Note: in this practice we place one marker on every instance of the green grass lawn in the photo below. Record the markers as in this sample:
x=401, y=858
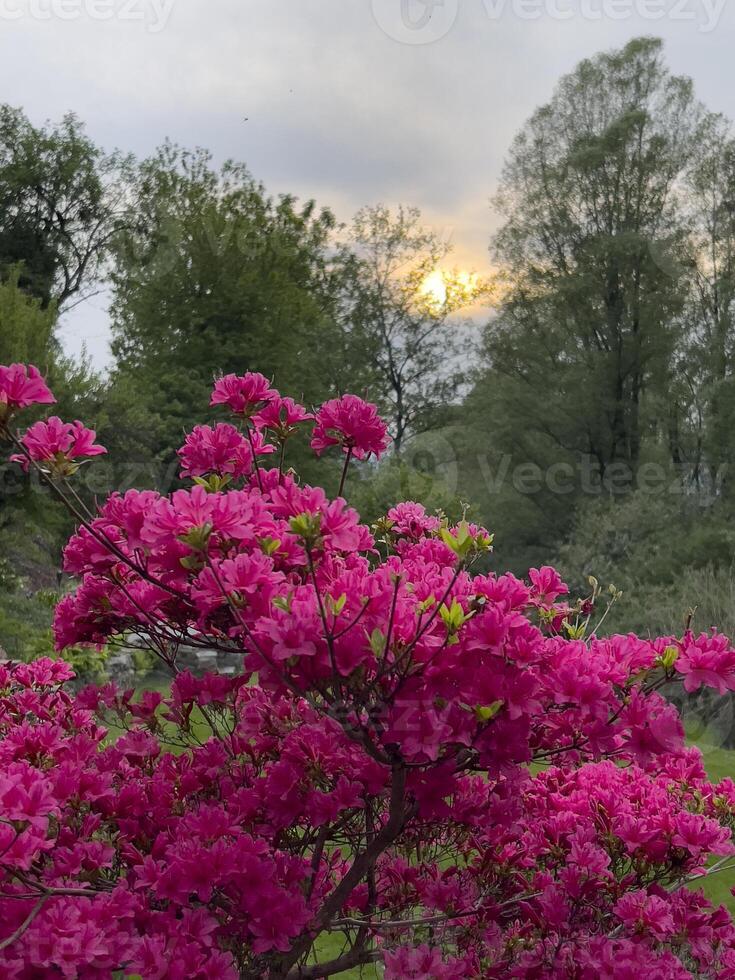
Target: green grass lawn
x=331, y=946
x=718, y=762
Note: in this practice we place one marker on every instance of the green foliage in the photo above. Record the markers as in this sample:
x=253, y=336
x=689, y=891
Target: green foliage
x=8, y=579
x=216, y=277
x=144, y=661
x=27, y=333
x=702, y=597
x=60, y=205
x=28, y=561
x=674, y=562
x=24, y=625
x=374, y=489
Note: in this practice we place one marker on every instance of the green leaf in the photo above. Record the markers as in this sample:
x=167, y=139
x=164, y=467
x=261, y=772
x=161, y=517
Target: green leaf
x=669, y=657
x=213, y=483
x=307, y=526
x=269, y=546
x=377, y=642
x=486, y=713
x=198, y=537
x=575, y=632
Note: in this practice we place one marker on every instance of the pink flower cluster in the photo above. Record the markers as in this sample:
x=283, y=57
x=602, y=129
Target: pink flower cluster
x=59, y=444
x=419, y=757
x=352, y=424
x=282, y=416
x=20, y=387
x=221, y=450
x=244, y=395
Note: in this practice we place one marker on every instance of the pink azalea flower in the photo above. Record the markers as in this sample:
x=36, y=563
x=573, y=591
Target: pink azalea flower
x=221, y=450
x=708, y=660
x=646, y=913
x=411, y=520
x=244, y=395
x=353, y=424
x=58, y=443
x=422, y=963
x=701, y=835
x=21, y=386
x=281, y=416
x=547, y=585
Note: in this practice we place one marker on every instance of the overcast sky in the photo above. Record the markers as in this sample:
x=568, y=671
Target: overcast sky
x=351, y=102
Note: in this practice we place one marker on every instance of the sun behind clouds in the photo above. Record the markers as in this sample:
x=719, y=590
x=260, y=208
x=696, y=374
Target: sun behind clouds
x=445, y=290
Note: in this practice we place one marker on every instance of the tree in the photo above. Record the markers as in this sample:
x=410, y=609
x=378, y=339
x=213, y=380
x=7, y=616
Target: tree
x=593, y=225
x=62, y=200
x=217, y=277
x=582, y=374
x=707, y=360
x=400, y=310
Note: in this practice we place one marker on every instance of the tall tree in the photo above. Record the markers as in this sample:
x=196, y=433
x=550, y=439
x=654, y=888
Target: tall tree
x=401, y=310
x=707, y=361
x=592, y=226
x=583, y=375
x=62, y=200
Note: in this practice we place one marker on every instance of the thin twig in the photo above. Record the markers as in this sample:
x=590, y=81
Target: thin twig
x=343, y=479
x=26, y=923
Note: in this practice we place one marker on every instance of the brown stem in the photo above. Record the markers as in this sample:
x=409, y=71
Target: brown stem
x=249, y=636
x=352, y=923
x=256, y=465
x=397, y=817
x=355, y=957
x=351, y=625
x=26, y=923
x=343, y=479
x=328, y=636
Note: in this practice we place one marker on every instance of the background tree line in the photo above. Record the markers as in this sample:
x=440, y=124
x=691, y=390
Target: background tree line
x=608, y=357
x=612, y=351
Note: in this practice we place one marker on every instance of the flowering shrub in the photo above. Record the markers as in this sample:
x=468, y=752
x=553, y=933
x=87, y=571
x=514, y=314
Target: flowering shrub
x=436, y=764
